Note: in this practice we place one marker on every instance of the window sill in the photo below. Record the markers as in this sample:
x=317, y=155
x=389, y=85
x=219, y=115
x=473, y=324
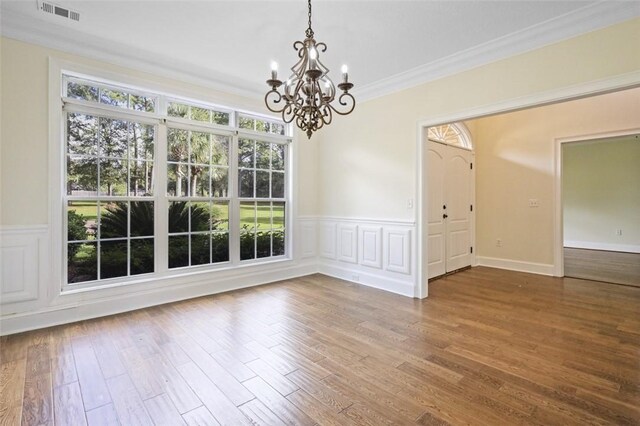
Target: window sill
x=171, y=275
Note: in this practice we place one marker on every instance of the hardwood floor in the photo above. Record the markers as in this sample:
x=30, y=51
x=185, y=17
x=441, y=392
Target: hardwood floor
x=488, y=347
x=606, y=266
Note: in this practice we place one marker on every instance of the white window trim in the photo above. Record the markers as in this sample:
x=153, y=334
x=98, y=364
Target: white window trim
x=57, y=188
x=463, y=131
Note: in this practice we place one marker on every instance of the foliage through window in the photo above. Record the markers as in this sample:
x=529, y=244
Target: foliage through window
x=197, y=113
x=257, y=124
x=110, y=95
x=261, y=170
x=109, y=166
x=198, y=187
x=114, y=209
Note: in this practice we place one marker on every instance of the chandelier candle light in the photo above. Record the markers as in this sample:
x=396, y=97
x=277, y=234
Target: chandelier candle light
x=308, y=94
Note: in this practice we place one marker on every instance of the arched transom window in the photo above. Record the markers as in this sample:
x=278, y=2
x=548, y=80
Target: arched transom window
x=455, y=134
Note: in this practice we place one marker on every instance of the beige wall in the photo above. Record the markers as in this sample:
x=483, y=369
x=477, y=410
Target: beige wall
x=24, y=74
x=515, y=163
x=601, y=191
x=363, y=165
x=368, y=164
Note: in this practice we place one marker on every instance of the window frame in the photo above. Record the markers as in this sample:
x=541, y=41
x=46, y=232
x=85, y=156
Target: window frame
x=285, y=199
x=62, y=105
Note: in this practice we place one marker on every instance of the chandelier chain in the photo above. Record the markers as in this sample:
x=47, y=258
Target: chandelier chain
x=309, y=32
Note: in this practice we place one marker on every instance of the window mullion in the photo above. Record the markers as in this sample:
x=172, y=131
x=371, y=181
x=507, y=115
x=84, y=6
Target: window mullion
x=234, y=203
x=161, y=211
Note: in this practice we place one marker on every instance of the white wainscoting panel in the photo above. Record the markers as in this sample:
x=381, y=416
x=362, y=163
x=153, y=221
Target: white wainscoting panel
x=348, y=243
x=22, y=263
x=308, y=238
x=398, y=250
x=375, y=253
x=370, y=246
x=328, y=240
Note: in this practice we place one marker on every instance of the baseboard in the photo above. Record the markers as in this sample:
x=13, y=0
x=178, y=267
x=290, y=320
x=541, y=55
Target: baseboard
x=516, y=265
x=57, y=315
x=359, y=276
x=626, y=248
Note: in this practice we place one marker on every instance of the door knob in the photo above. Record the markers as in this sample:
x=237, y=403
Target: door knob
x=444, y=216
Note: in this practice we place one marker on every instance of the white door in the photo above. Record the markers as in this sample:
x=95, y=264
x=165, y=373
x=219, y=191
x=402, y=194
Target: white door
x=436, y=247
x=449, y=212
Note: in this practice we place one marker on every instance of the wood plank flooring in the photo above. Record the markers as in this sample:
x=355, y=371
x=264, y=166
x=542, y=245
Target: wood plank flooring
x=599, y=265
x=488, y=347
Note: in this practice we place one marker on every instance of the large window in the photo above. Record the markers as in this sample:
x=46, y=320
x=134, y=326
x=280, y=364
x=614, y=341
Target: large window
x=157, y=184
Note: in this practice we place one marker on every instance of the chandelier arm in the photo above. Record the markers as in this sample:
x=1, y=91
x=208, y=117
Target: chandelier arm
x=269, y=100
x=327, y=114
x=350, y=104
x=288, y=114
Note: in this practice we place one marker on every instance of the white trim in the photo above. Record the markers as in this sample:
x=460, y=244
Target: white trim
x=370, y=244
x=588, y=245
x=23, y=229
x=365, y=220
x=397, y=243
x=347, y=243
x=23, y=279
x=328, y=240
x=561, y=94
x=558, y=221
x=358, y=276
x=516, y=265
x=589, y=18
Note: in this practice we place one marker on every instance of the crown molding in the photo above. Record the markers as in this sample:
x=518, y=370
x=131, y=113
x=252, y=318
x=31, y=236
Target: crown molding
x=584, y=20
x=64, y=38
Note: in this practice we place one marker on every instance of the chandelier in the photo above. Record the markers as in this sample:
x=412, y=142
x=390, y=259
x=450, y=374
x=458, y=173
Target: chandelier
x=308, y=93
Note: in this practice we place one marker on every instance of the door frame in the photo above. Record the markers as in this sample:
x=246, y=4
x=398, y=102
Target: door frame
x=472, y=219
x=558, y=232
x=557, y=95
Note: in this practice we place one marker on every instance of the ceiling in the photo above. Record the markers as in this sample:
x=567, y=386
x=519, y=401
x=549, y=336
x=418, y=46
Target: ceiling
x=230, y=44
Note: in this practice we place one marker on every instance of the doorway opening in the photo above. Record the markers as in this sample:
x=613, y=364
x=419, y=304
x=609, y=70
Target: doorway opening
x=601, y=207
x=519, y=213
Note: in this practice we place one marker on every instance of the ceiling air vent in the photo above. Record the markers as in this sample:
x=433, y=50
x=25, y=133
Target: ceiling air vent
x=54, y=9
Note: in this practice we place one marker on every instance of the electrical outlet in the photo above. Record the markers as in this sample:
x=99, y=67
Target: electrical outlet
x=533, y=202
x=355, y=277
x=498, y=242
x=618, y=232
x=409, y=203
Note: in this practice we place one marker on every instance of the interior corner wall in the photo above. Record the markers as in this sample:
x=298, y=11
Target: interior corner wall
x=516, y=163
x=368, y=164
x=601, y=193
